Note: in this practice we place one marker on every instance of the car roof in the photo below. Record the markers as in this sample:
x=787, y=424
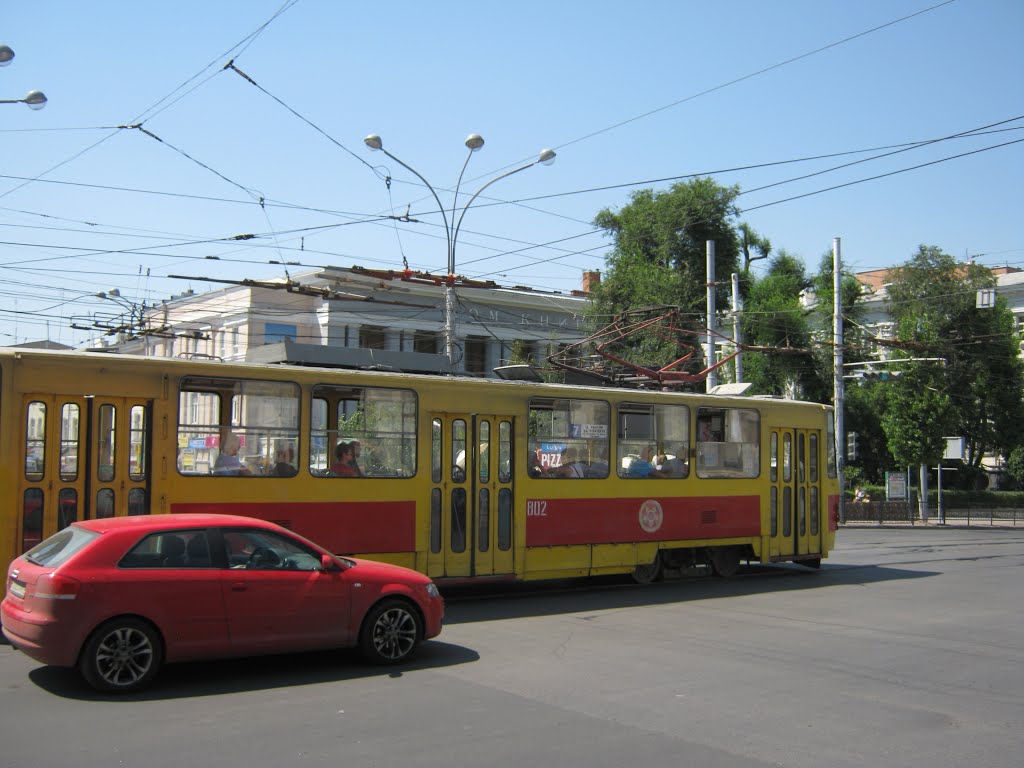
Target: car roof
x=142, y=523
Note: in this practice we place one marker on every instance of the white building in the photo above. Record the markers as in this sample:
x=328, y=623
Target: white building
x=356, y=317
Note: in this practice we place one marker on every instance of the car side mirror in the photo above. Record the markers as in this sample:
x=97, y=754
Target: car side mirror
x=328, y=563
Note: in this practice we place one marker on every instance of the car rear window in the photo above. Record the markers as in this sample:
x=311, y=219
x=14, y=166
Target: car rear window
x=59, y=547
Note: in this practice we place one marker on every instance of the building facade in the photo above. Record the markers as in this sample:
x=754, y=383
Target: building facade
x=354, y=317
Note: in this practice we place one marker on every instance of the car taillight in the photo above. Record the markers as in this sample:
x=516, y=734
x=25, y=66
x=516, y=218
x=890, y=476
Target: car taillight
x=54, y=586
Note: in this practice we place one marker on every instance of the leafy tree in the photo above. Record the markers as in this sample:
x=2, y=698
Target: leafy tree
x=975, y=391
x=751, y=241
x=659, y=256
x=774, y=317
x=865, y=407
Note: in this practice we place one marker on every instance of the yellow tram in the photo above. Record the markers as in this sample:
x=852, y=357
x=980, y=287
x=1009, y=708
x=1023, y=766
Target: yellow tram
x=460, y=478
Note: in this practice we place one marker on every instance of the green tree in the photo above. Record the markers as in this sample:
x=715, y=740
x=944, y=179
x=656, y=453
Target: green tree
x=659, y=256
x=974, y=389
x=750, y=242
x=774, y=317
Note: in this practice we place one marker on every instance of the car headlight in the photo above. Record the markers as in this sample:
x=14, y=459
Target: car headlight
x=432, y=590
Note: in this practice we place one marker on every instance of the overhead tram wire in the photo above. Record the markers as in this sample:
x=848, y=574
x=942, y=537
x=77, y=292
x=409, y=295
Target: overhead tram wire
x=907, y=145
x=736, y=81
x=815, y=192
x=245, y=42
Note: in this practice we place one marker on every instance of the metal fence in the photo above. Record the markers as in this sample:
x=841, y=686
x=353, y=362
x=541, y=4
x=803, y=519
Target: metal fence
x=906, y=512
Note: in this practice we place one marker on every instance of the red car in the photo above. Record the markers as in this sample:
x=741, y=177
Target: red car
x=120, y=597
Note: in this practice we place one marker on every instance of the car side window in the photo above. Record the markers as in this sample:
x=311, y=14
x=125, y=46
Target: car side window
x=262, y=550
x=170, y=549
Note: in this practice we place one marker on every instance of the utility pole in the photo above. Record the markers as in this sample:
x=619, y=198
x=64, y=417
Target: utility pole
x=712, y=378
x=837, y=380
x=737, y=308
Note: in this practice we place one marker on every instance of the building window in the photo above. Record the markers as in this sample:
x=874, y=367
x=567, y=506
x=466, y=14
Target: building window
x=373, y=337
x=274, y=333
x=475, y=354
x=424, y=341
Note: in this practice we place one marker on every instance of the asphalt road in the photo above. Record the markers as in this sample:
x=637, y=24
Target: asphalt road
x=906, y=649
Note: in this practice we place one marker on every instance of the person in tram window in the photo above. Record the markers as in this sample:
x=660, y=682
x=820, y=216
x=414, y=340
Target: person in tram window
x=357, y=451
x=644, y=465
x=599, y=467
x=671, y=466
x=228, y=462
x=343, y=465
x=570, y=466
x=535, y=469
x=284, y=465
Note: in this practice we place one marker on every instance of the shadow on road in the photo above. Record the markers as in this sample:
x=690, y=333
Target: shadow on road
x=472, y=603
x=216, y=678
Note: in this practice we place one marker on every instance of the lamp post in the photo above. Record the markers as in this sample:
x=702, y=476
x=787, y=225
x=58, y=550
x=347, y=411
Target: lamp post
x=34, y=99
x=451, y=228
x=136, y=313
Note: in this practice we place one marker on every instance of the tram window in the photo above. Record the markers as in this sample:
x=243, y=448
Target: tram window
x=813, y=457
x=31, y=518
x=504, y=452
x=35, y=441
x=69, y=431
x=814, y=510
x=137, y=443
x=830, y=444
x=435, y=451
x=663, y=431
x=774, y=461
x=483, y=525
x=106, y=443
x=458, y=454
x=504, y=519
x=728, y=442
x=801, y=459
x=435, y=520
x=560, y=428
x=458, y=520
x=382, y=421
x=104, y=503
x=137, y=502
x=787, y=458
x=787, y=510
x=216, y=415
x=484, y=451
x=67, y=508
x=773, y=510
x=802, y=512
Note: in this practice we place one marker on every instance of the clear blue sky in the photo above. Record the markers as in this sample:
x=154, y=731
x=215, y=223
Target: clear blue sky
x=624, y=92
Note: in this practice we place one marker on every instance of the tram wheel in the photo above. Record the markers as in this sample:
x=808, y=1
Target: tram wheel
x=648, y=573
x=724, y=561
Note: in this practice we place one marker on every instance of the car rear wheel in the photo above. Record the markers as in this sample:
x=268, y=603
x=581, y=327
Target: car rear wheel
x=390, y=632
x=121, y=656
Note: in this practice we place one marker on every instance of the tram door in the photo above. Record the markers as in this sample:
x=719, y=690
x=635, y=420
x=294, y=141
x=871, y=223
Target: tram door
x=795, y=502
x=471, y=495
x=83, y=457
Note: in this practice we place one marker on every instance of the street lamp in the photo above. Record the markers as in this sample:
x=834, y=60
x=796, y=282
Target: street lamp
x=451, y=229
x=34, y=99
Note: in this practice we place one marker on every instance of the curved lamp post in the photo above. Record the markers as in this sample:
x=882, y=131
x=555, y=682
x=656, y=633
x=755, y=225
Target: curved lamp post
x=34, y=99
x=451, y=229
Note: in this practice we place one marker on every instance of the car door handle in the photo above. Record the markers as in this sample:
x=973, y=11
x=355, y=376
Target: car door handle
x=239, y=586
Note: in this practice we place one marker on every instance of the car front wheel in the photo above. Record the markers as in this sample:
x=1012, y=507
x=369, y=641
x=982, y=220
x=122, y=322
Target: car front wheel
x=390, y=632
x=121, y=656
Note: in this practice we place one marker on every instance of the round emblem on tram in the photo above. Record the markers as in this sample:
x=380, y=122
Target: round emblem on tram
x=651, y=516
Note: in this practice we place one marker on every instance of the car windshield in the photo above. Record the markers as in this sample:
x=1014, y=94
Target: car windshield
x=59, y=547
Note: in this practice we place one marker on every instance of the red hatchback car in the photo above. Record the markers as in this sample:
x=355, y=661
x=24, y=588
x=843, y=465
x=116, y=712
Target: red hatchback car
x=120, y=597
